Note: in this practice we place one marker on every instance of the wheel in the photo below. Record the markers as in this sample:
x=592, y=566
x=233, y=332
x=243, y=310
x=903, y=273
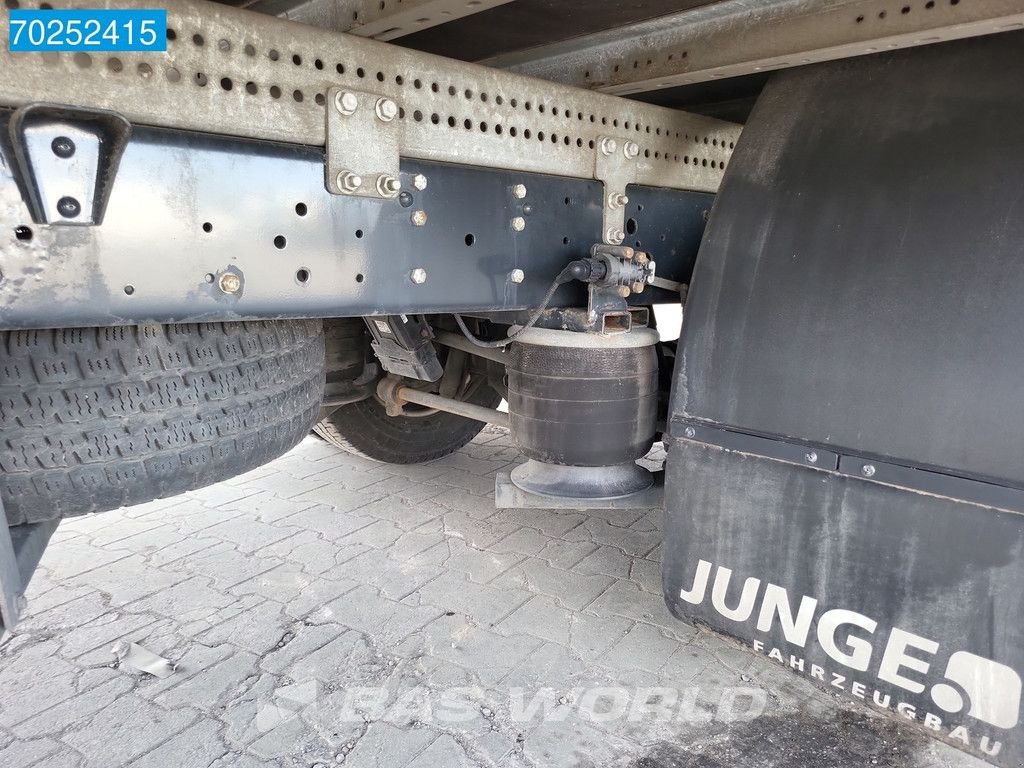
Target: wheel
x=365, y=429
x=96, y=418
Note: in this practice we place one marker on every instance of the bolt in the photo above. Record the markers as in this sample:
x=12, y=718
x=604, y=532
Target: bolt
x=346, y=102
x=518, y=223
x=517, y=275
x=617, y=200
x=62, y=146
x=623, y=291
x=641, y=258
x=608, y=145
x=812, y=457
x=419, y=218
x=630, y=149
x=388, y=186
x=419, y=182
x=230, y=282
x=519, y=191
x=349, y=182
x=418, y=276
x=386, y=110
x=614, y=235
x=868, y=470
x=690, y=432
x=639, y=286
x=68, y=207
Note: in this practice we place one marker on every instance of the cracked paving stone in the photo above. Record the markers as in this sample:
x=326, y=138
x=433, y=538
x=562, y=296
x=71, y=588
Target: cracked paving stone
x=266, y=507
x=385, y=744
x=211, y=686
x=53, y=721
x=607, y=561
x=403, y=514
x=446, y=752
x=298, y=642
x=643, y=647
x=27, y=752
x=129, y=727
x=573, y=590
x=453, y=592
x=224, y=566
x=251, y=534
x=392, y=578
x=38, y=669
x=330, y=522
x=388, y=621
x=282, y=584
x=198, y=746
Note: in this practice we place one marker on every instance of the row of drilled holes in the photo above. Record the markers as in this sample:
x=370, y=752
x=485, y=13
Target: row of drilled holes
x=145, y=71
x=637, y=63
x=435, y=87
x=906, y=9
x=526, y=133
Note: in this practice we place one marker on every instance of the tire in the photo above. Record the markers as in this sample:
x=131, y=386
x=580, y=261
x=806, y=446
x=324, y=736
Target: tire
x=93, y=419
x=364, y=429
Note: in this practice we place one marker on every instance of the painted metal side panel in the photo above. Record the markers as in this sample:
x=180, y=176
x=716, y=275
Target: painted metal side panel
x=185, y=209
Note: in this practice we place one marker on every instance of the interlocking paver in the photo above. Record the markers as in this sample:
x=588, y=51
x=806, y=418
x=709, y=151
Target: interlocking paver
x=293, y=598
x=128, y=728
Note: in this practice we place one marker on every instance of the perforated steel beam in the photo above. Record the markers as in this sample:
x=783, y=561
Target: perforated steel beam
x=239, y=73
x=740, y=37
x=379, y=19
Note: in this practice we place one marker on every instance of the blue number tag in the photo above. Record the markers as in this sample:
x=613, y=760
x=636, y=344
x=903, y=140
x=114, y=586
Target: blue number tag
x=88, y=30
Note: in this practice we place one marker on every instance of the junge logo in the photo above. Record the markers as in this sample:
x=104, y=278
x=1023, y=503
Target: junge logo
x=988, y=690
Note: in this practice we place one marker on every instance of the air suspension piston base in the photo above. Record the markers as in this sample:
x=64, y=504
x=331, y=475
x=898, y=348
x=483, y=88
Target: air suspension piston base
x=582, y=408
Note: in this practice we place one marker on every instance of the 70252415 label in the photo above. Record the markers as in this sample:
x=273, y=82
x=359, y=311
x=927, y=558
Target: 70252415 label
x=82, y=29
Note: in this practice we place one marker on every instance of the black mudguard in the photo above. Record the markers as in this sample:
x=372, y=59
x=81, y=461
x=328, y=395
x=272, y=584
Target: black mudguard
x=845, y=480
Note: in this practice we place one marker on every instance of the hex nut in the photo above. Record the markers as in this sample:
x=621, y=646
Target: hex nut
x=388, y=186
x=346, y=102
x=519, y=191
x=419, y=182
x=617, y=200
x=349, y=182
x=386, y=109
x=418, y=276
x=518, y=224
x=631, y=149
x=608, y=145
x=419, y=218
x=517, y=275
x=229, y=282
x=614, y=236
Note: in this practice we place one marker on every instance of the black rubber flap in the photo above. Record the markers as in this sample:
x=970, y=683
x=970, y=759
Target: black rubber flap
x=860, y=288
x=906, y=603
x=860, y=283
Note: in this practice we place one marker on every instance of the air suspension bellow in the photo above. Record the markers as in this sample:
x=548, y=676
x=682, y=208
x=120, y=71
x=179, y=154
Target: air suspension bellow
x=583, y=410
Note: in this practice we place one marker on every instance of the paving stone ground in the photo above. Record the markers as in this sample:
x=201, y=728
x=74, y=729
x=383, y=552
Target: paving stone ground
x=327, y=610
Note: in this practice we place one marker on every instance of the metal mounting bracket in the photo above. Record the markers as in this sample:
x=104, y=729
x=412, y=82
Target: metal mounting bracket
x=362, y=154
x=615, y=165
x=66, y=159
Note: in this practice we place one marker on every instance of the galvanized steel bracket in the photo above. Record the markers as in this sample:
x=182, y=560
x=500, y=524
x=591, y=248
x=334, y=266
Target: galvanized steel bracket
x=362, y=144
x=615, y=165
